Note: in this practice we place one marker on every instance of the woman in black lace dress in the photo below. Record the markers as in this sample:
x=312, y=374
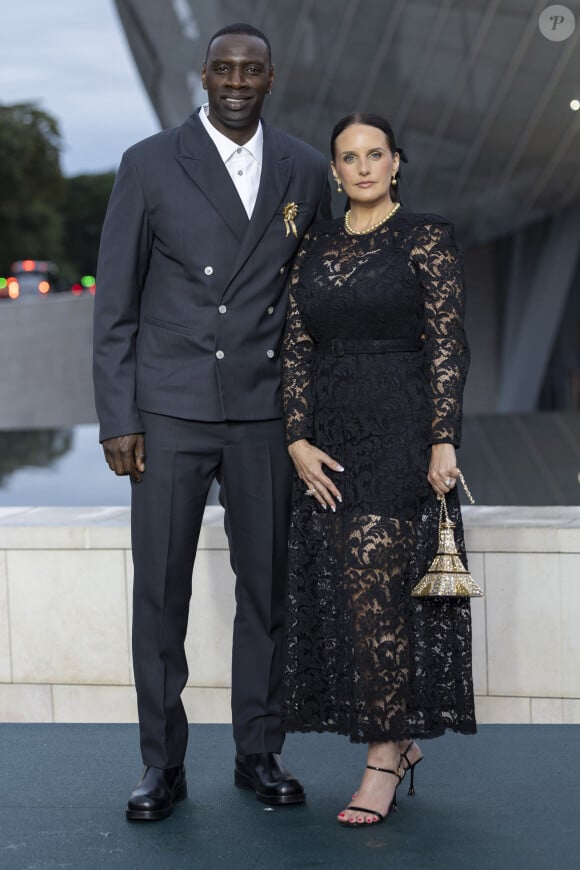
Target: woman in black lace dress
x=374, y=362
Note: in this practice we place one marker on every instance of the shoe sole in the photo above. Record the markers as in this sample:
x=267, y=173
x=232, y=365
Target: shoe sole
x=244, y=782
x=156, y=815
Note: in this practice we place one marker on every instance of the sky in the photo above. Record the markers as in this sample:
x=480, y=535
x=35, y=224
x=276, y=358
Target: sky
x=71, y=57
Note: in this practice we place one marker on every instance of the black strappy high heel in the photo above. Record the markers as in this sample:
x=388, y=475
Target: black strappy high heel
x=410, y=767
x=392, y=806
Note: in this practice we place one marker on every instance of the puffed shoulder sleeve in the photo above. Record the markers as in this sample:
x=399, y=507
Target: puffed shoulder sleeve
x=297, y=352
x=439, y=266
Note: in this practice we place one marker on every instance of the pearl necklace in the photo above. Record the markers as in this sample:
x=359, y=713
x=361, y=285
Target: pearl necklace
x=383, y=220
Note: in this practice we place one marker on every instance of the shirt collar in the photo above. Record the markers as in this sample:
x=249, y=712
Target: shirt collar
x=225, y=146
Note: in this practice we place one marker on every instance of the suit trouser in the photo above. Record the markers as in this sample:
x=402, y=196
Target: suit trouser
x=251, y=464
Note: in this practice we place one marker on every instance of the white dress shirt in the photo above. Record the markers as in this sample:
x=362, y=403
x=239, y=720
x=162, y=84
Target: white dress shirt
x=243, y=162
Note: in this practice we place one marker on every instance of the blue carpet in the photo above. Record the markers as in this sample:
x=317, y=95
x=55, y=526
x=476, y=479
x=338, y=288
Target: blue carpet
x=506, y=798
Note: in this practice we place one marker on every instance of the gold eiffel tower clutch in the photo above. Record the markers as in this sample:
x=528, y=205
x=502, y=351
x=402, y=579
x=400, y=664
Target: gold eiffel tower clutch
x=447, y=576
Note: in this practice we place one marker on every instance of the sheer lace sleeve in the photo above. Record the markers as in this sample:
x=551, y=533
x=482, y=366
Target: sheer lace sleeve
x=440, y=271
x=297, y=350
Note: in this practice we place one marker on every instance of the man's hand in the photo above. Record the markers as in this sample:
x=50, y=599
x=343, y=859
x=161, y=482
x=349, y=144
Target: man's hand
x=126, y=455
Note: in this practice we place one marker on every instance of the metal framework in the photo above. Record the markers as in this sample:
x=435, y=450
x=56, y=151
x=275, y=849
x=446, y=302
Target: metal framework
x=477, y=96
x=532, y=322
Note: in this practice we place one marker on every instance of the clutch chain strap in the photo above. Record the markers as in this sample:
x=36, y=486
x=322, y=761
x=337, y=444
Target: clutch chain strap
x=466, y=488
x=443, y=511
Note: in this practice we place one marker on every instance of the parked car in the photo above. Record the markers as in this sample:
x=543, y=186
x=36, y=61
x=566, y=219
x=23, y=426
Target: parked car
x=31, y=278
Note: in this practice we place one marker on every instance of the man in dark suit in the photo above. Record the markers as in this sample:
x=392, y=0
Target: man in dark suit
x=202, y=225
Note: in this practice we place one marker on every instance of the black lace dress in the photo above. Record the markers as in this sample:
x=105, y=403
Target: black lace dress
x=374, y=362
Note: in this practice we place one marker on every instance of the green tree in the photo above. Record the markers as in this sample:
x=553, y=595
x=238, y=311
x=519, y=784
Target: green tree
x=32, y=185
x=84, y=210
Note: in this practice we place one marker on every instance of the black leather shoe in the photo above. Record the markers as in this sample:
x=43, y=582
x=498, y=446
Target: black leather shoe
x=157, y=793
x=265, y=775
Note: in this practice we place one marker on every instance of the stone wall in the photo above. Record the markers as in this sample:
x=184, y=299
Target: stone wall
x=65, y=611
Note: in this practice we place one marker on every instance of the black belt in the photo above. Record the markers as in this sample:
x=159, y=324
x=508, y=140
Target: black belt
x=339, y=346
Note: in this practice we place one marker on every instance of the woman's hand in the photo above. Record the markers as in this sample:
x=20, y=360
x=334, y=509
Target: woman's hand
x=443, y=470
x=309, y=462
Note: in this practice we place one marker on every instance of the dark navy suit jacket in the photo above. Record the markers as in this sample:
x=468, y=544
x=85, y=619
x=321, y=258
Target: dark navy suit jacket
x=191, y=295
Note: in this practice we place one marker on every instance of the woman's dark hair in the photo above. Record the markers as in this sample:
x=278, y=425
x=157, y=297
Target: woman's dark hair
x=245, y=30
x=371, y=121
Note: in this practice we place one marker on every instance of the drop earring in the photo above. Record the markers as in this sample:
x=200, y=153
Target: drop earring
x=394, y=181
x=338, y=185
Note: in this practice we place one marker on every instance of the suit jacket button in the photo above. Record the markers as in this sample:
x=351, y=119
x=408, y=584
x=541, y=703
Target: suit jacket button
x=270, y=310
x=208, y=270
x=220, y=354
x=270, y=354
x=222, y=309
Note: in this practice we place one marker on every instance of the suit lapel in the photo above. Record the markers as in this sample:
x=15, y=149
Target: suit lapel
x=277, y=164
x=201, y=161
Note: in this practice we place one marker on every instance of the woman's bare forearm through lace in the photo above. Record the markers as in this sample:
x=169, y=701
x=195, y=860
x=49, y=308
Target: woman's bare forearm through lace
x=441, y=273
x=297, y=353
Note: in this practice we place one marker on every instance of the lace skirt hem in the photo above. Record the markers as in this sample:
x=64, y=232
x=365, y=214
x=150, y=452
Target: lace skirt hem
x=367, y=736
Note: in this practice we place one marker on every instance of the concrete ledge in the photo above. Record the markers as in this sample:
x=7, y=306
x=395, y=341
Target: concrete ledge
x=522, y=529
x=65, y=614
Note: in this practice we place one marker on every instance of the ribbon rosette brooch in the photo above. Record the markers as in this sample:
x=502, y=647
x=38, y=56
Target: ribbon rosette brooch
x=290, y=212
